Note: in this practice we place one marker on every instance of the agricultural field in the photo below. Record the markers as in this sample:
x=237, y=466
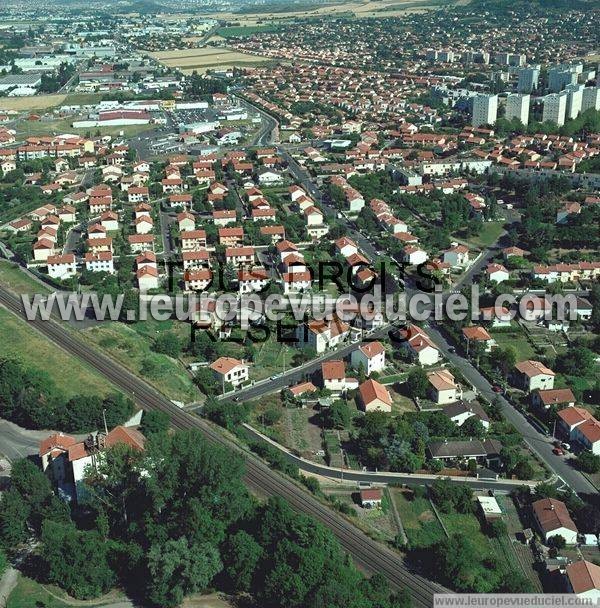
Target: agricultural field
x=331, y=8
x=206, y=58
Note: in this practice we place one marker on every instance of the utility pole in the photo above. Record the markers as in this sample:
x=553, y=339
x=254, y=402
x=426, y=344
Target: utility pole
x=104, y=418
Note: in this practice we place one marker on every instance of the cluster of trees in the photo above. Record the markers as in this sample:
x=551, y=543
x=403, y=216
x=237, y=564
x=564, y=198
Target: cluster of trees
x=175, y=520
x=204, y=87
x=462, y=564
x=399, y=443
x=30, y=398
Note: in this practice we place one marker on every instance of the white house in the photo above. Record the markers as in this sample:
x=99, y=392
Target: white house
x=443, y=388
x=461, y=411
x=230, y=370
x=531, y=375
x=99, y=262
x=62, y=266
x=147, y=278
x=497, y=273
x=457, y=256
x=371, y=355
x=333, y=374
x=420, y=346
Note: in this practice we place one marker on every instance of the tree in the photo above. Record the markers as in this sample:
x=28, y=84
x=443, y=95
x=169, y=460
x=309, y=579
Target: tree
x=557, y=541
x=417, y=383
x=241, y=554
x=496, y=528
x=178, y=568
x=588, y=462
x=14, y=512
x=76, y=560
x=168, y=343
x=3, y=563
x=338, y=415
x=155, y=421
x=207, y=382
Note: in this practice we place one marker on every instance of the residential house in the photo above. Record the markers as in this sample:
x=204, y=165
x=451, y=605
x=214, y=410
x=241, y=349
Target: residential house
x=99, y=262
x=461, y=411
x=230, y=370
x=531, y=375
x=333, y=376
x=476, y=334
x=553, y=519
x=322, y=334
x=486, y=451
x=583, y=579
x=373, y=396
x=457, y=256
x=62, y=266
x=369, y=355
x=147, y=278
x=443, y=389
x=371, y=498
x=545, y=399
x=497, y=273
x=419, y=345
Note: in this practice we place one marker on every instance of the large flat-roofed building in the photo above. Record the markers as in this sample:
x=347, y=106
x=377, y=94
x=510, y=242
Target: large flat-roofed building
x=590, y=100
x=11, y=81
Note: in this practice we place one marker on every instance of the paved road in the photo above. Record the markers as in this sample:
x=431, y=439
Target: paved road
x=538, y=442
x=369, y=555
x=16, y=442
x=307, y=466
x=302, y=372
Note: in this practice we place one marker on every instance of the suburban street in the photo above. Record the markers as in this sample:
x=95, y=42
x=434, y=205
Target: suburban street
x=368, y=554
x=538, y=442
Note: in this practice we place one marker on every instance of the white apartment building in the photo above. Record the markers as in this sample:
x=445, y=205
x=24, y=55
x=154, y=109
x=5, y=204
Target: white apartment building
x=485, y=110
x=528, y=79
x=517, y=106
x=574, y=100
x=590, y=99
x=555, y=108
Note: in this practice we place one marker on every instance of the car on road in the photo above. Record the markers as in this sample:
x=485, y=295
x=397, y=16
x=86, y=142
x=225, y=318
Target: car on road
x=558, y=451
x=565, y=446
x=497, y=388
x=451, y=349
x=274, y=377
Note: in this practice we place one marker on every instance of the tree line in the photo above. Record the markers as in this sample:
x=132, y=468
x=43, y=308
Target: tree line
x=176, y=519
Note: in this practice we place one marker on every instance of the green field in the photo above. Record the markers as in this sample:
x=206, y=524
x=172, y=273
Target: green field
x=244, y=31
x=16, y=280
x=71, y=376
x=517, y=339
x=489, y=234
x=132, y=348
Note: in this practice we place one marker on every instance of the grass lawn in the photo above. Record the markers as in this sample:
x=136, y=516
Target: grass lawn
x=16, y=280
x=417, y=517
x=517, y=339
x=132, y=348
x=270, y=358
x=29, y=594
x=72, y=376
x=490, y=231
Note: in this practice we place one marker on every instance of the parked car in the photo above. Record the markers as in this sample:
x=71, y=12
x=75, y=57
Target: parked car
x=558, y=452
x=497, y=388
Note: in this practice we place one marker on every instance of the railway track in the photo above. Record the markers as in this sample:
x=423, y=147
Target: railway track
x=369, y=555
